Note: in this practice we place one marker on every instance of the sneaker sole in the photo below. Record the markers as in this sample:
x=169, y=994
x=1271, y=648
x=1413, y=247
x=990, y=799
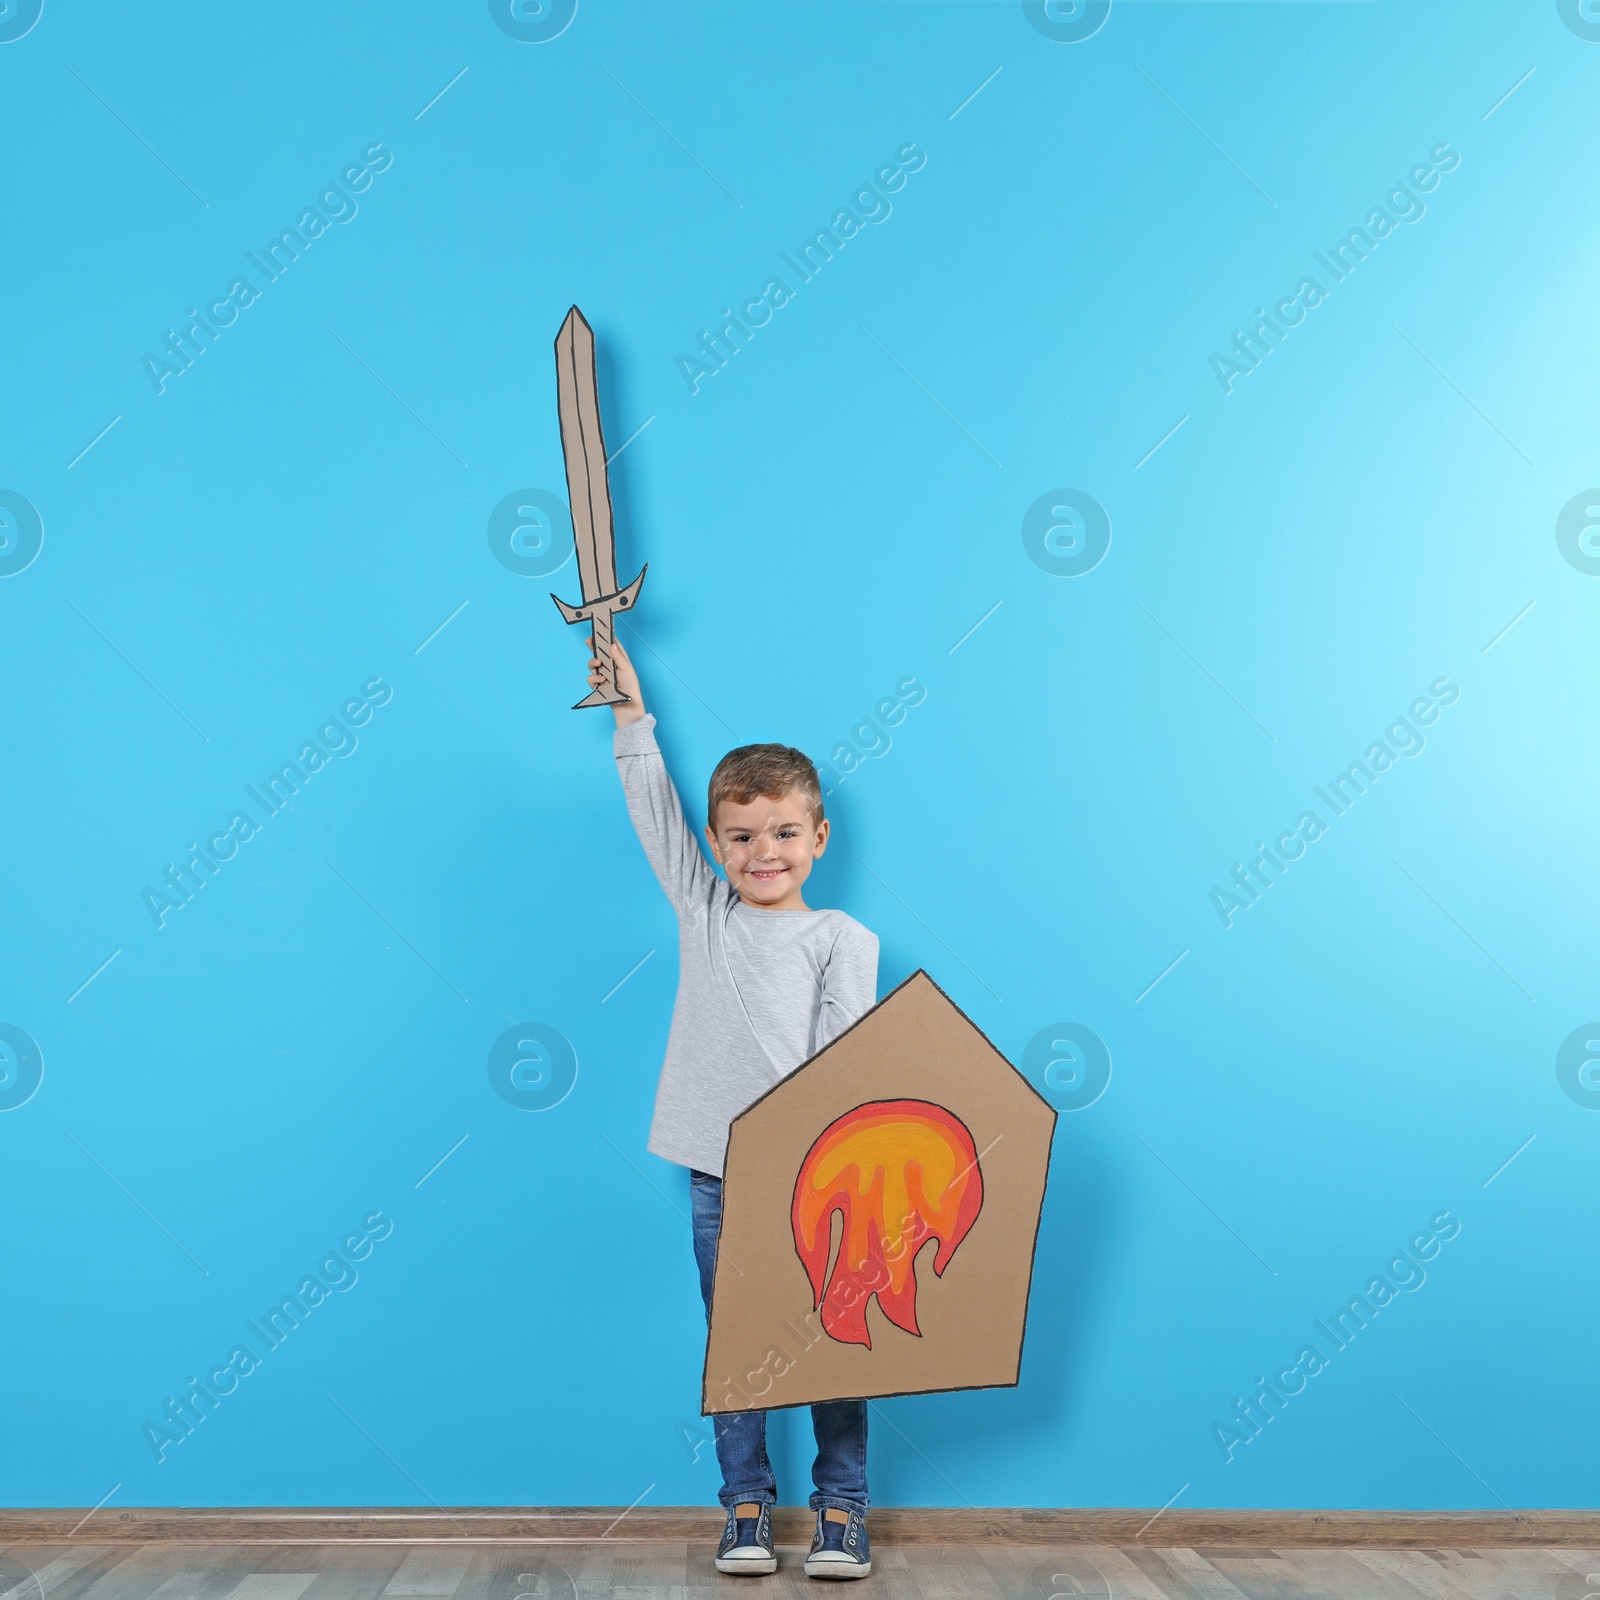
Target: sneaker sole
x=747, y=1566
x=836, y=1566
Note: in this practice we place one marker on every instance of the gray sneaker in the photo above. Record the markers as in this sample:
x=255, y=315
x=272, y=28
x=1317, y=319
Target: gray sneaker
x=840, y=1549
x=746, y=1548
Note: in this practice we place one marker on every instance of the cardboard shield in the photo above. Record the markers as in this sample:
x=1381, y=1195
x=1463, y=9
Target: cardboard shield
x=880, y=1210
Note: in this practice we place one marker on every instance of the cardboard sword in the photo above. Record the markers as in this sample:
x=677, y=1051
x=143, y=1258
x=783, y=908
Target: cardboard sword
x=583, y=444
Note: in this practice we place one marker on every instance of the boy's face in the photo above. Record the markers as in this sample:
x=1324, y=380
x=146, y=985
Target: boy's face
x=766, y=847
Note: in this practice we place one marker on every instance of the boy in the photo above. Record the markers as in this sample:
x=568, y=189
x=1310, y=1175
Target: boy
x=764, y=982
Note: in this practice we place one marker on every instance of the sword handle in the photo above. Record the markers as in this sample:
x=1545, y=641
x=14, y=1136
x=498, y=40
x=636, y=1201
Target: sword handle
x=598, y=614
x=606, y=693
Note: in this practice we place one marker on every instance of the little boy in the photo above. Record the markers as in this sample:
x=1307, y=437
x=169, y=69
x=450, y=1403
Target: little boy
x=764, y=982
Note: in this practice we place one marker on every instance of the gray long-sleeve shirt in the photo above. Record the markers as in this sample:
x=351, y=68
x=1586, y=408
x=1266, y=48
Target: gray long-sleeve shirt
x=758, y=991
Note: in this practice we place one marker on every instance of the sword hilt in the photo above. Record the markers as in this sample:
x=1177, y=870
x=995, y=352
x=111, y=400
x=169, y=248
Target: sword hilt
x=606, y=693
x=600, y=613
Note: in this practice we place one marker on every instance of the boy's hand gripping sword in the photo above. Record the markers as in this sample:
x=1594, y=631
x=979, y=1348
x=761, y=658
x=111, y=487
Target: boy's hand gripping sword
x=583, y=444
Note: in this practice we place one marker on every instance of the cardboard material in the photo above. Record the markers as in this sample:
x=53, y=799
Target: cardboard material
x=589, y=489
x=880, y=1209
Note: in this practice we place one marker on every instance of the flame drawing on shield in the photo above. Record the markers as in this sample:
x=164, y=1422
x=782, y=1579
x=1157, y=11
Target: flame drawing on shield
x=901, y=1172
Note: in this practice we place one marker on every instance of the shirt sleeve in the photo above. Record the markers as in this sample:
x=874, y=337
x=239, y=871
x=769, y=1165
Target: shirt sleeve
x=671, y=849
x=849, y=983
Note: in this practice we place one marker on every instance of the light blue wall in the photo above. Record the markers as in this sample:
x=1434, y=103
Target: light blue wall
x=829, y=515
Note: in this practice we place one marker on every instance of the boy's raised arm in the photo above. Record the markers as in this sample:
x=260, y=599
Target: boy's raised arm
x=670, y=847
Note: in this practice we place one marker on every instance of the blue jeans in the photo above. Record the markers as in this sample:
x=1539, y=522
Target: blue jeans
x=840, y=1470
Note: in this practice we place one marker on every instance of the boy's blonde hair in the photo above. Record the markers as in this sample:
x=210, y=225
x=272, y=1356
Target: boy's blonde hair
x=764, y=769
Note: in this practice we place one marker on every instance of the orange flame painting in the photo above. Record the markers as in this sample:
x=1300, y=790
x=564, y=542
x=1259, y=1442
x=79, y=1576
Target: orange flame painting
x=900, y=1172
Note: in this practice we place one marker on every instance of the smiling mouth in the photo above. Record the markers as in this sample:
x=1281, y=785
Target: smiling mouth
x=765, y=872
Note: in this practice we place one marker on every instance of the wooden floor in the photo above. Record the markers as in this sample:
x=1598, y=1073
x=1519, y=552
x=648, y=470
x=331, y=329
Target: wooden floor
x=675, y=1571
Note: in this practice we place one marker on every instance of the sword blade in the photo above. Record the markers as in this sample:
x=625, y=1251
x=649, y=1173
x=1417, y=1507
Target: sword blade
x=584, y=446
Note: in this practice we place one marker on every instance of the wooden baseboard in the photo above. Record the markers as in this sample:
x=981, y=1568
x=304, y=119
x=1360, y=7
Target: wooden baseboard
x=890, y=1525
